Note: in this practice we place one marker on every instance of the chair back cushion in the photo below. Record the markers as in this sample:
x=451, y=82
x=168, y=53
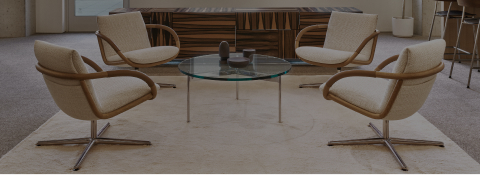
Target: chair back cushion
x=414, y=92
x=67, y=93
x=346, y=31
x=126, y=30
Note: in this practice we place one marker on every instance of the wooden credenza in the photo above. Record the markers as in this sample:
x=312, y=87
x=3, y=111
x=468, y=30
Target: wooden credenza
x=271, y=31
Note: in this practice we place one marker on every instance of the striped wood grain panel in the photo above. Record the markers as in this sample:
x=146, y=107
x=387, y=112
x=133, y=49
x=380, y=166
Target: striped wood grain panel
x=201, y=33
x=265, y=42
x=314, y=37
x=159, y=36
x=329, y=9
x=267, y=20
x=288, y=45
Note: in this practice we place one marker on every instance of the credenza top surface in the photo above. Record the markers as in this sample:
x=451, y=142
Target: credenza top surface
x=327, y=10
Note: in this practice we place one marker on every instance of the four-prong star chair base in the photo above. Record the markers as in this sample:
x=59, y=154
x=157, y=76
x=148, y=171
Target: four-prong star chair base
x=316, y=85
x=313, y=85
x=165, y=85
x=91, y=141
x=388, y=141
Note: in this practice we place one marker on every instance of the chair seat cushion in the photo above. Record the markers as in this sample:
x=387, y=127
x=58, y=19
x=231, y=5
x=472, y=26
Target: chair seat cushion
x=326, y=56
x=115, y=92
x=148, y=55
x=364, y=92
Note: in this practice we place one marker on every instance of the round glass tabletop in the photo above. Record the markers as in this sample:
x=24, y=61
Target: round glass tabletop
x=213, y=68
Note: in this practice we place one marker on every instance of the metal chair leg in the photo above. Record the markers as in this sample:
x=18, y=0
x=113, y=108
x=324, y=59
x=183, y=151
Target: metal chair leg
x=473, y=55
x=113, y=141
x=457, y=44
x=433, y=21
x=446, y=21
x=91, y=141
x=458, y=31
x=385, y=139
x=167, y=85
x=84, y=154
x=369, y=141
x=395, y=154
x=64, y=141
x=162, y=85
x=415, y=142
x=316, y=85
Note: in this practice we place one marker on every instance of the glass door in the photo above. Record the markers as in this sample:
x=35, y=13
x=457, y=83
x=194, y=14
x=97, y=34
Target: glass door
x=82, y=13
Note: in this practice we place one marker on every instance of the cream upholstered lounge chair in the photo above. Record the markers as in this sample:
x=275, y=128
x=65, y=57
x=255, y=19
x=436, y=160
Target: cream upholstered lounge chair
x=350, y=40
x=400, y=97
x=90, y=96
x=127, y=44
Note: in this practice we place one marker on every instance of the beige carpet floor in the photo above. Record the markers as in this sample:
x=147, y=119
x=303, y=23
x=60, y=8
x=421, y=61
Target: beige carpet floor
x=237, y=136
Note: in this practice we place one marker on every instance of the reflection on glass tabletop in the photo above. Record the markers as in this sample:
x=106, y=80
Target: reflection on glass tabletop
x=213, y=68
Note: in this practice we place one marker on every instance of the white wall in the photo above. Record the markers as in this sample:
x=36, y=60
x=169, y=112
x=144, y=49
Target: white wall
x=50, y=16
x=385, y=9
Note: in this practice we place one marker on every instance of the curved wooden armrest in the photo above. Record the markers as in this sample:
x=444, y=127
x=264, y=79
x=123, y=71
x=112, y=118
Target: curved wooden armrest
x=306, y=29
x=108, y=40
x=96, y=75
x=386, y=62
x=164, y=27
x=117, y=50
x=377, y=74
x=366, y=40
x=92, y=64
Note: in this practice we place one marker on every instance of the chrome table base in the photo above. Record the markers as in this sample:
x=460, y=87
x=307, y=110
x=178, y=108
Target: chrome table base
x=91, y=141
x=388, y=141
x=278, y=79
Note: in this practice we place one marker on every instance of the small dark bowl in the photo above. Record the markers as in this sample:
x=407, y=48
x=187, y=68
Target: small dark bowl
x=238, y=62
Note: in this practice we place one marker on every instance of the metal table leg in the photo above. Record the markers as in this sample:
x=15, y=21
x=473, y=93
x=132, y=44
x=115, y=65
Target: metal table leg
x=279, y=99
x=237, y=90
x=188, y=98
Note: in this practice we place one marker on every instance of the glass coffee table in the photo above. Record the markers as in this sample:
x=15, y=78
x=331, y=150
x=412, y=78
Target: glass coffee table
x=211, y=67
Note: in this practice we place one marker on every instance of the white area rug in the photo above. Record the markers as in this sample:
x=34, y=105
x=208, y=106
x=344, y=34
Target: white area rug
x=237, y=136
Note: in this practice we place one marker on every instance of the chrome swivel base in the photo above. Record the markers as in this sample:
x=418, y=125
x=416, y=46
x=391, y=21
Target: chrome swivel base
x=92, y=140
x=165, y=85
x=162, y=85
x=388, y=141
x=316, y=85
x=313, y=85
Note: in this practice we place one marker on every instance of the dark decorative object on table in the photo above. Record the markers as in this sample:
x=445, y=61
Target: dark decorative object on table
x=248, y=53
x=224, y=50
x=238, y=62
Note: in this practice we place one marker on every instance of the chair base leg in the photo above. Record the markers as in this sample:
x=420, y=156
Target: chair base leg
x=387, y=141
x=313, y=85
x=316, y=85
x=91, y=141
x=165, y=85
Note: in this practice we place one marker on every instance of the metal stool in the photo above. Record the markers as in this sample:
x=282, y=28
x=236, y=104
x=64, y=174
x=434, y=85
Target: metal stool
x=454, y=14
x=473, y=22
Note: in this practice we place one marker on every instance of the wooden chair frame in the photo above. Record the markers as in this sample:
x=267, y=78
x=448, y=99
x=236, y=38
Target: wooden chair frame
x=103, y=74
x=95, y=137
x=383, y=138
x=376, y=74
x=125, y=60
x=350, y=60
